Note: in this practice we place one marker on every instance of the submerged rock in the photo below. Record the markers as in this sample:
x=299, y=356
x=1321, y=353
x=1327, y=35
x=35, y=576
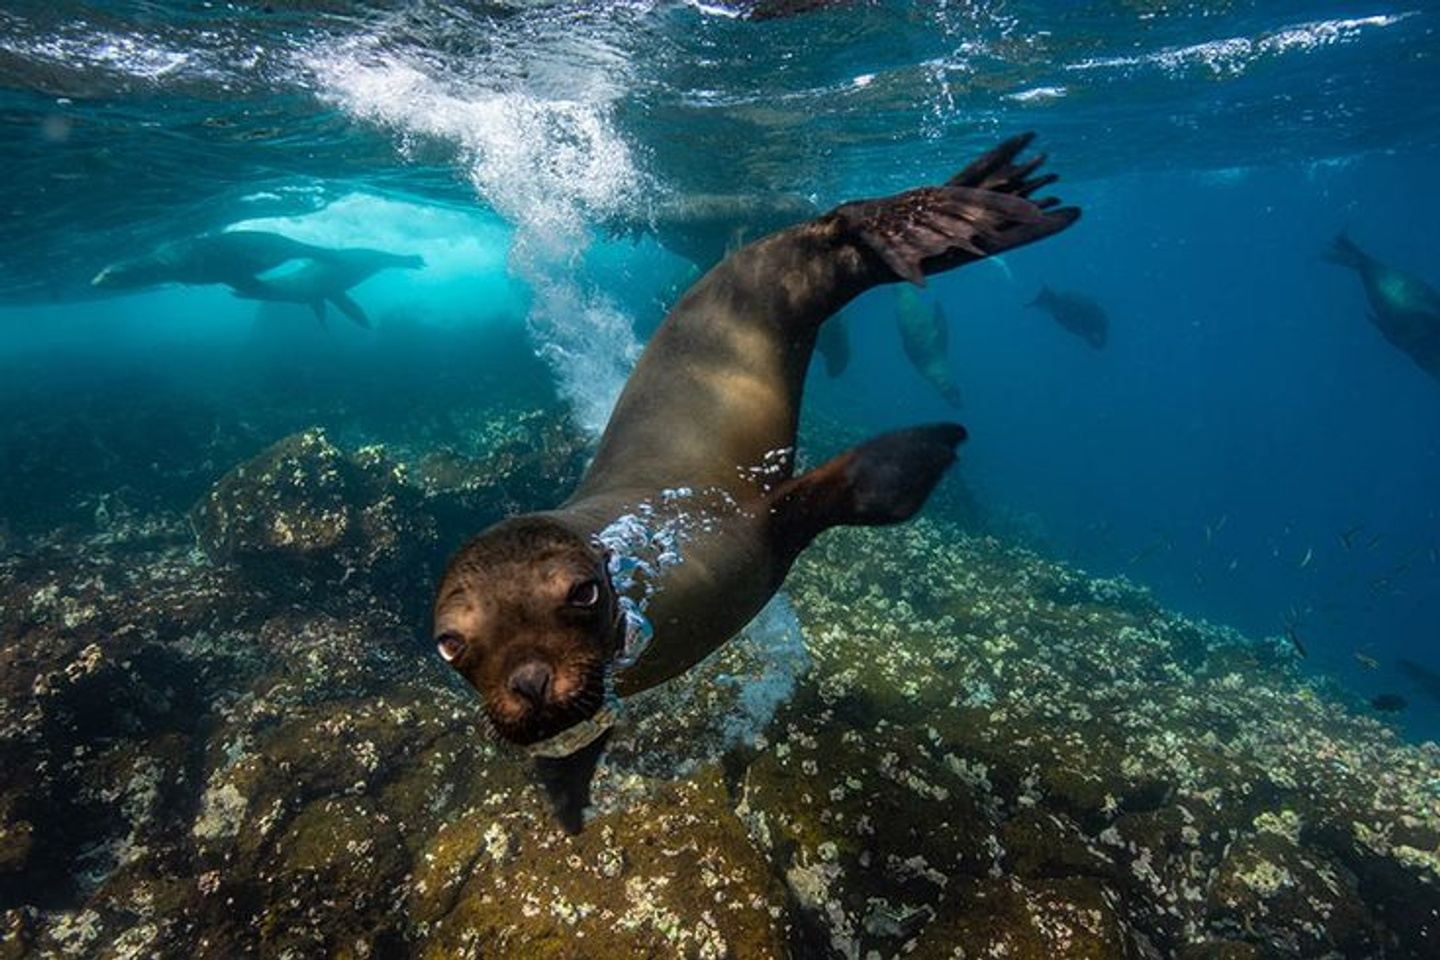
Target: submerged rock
x=303, y=511
x=975, y=752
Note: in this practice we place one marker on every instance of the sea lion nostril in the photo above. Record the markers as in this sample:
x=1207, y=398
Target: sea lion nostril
x=532, y=681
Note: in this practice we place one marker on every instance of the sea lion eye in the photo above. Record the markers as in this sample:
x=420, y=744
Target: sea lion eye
x=584, y=594
x=450, y=645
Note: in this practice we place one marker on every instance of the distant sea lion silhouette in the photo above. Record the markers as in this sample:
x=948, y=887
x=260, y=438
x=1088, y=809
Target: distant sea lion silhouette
x=318, y=281
x=232, y=257
x=1403, y=307
x=833, y=345
x=689, y=517
x=703, y=228
x=926, y=338
x=1080, y=315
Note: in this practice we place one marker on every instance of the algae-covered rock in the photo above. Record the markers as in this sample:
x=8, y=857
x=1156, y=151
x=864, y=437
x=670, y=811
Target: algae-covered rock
x=673, y=877
x=1065, y=919
x=304, y=509
x=971, y=751
x=1290, y=898
x=868, y=829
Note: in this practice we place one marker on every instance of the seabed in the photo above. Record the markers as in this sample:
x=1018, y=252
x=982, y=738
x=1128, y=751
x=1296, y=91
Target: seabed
x=223, y=732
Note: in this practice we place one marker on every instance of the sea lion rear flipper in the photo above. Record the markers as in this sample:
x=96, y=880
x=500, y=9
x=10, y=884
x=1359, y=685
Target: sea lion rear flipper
x=567, y=782
x=882, y=481
x=319, y=307
x=350, y=308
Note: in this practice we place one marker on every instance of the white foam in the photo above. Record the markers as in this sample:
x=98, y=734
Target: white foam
x=546, y=164
x=1037, y=94
x=1234, y=55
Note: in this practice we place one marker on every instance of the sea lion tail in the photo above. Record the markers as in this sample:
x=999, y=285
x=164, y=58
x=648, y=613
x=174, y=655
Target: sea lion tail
x=883, y=481
x=350, y=308
x=1344, y=252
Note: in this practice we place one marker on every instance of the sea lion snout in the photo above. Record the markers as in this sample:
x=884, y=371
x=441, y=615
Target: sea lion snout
x=531, y=680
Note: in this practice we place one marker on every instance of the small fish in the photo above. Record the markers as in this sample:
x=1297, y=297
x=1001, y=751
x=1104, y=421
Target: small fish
x=1347, y=537
x=1309, y=555
x=1374, y=541
x=1389, y=703
x=1294, y=637
x=1149, y=550
x=1366, y=661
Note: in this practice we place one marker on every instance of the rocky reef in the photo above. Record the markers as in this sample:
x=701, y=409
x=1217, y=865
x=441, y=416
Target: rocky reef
x=224, y=733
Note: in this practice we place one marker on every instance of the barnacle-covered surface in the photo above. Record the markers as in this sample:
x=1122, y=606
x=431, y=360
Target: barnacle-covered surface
x=973, y=752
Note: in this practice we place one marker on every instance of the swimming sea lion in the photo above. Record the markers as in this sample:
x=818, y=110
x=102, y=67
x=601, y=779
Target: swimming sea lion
x=689, y=518
x=233, y=257
x=833, y=345
x=1405, y=308
x=320, y=280
x=704, y=227
x=1080, y=315
x=926, y=338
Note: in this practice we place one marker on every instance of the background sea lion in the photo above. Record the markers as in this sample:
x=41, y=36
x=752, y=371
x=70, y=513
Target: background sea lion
x=689, y=509
x=833, y=345
x=1079, y=314
x=926, y=338
x=1405, y=308
x=320, y=280
x=703, y=228
x=233, y=257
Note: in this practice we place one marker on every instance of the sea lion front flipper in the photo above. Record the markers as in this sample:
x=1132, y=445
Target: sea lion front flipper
x=934, y=229
x=567, y=782
x=351, y=309
x=882, y=481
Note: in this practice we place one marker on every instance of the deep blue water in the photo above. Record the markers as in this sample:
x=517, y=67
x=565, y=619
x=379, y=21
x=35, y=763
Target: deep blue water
x=1243, y=416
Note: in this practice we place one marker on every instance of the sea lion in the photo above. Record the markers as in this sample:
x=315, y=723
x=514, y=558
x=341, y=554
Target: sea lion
x=703, y=228
x=233, y=257
x=317, y=281
x=833, y=345
x=1403, y=307
x=926, y=338
x=1078, y=314
x=688, y=519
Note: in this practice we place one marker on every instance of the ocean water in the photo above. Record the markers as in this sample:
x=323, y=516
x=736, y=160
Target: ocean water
x=1245, y=450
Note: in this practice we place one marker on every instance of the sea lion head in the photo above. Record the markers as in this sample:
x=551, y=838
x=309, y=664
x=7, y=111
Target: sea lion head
x=527, y=614
x=130, y=274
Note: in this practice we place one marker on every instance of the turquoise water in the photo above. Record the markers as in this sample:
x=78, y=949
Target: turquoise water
x=1214, y=150
x=1246, y=444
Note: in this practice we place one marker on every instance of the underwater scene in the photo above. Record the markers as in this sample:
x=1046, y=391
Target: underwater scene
x=720, y=479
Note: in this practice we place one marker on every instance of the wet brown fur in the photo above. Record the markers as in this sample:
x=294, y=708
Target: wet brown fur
x=716, y=390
